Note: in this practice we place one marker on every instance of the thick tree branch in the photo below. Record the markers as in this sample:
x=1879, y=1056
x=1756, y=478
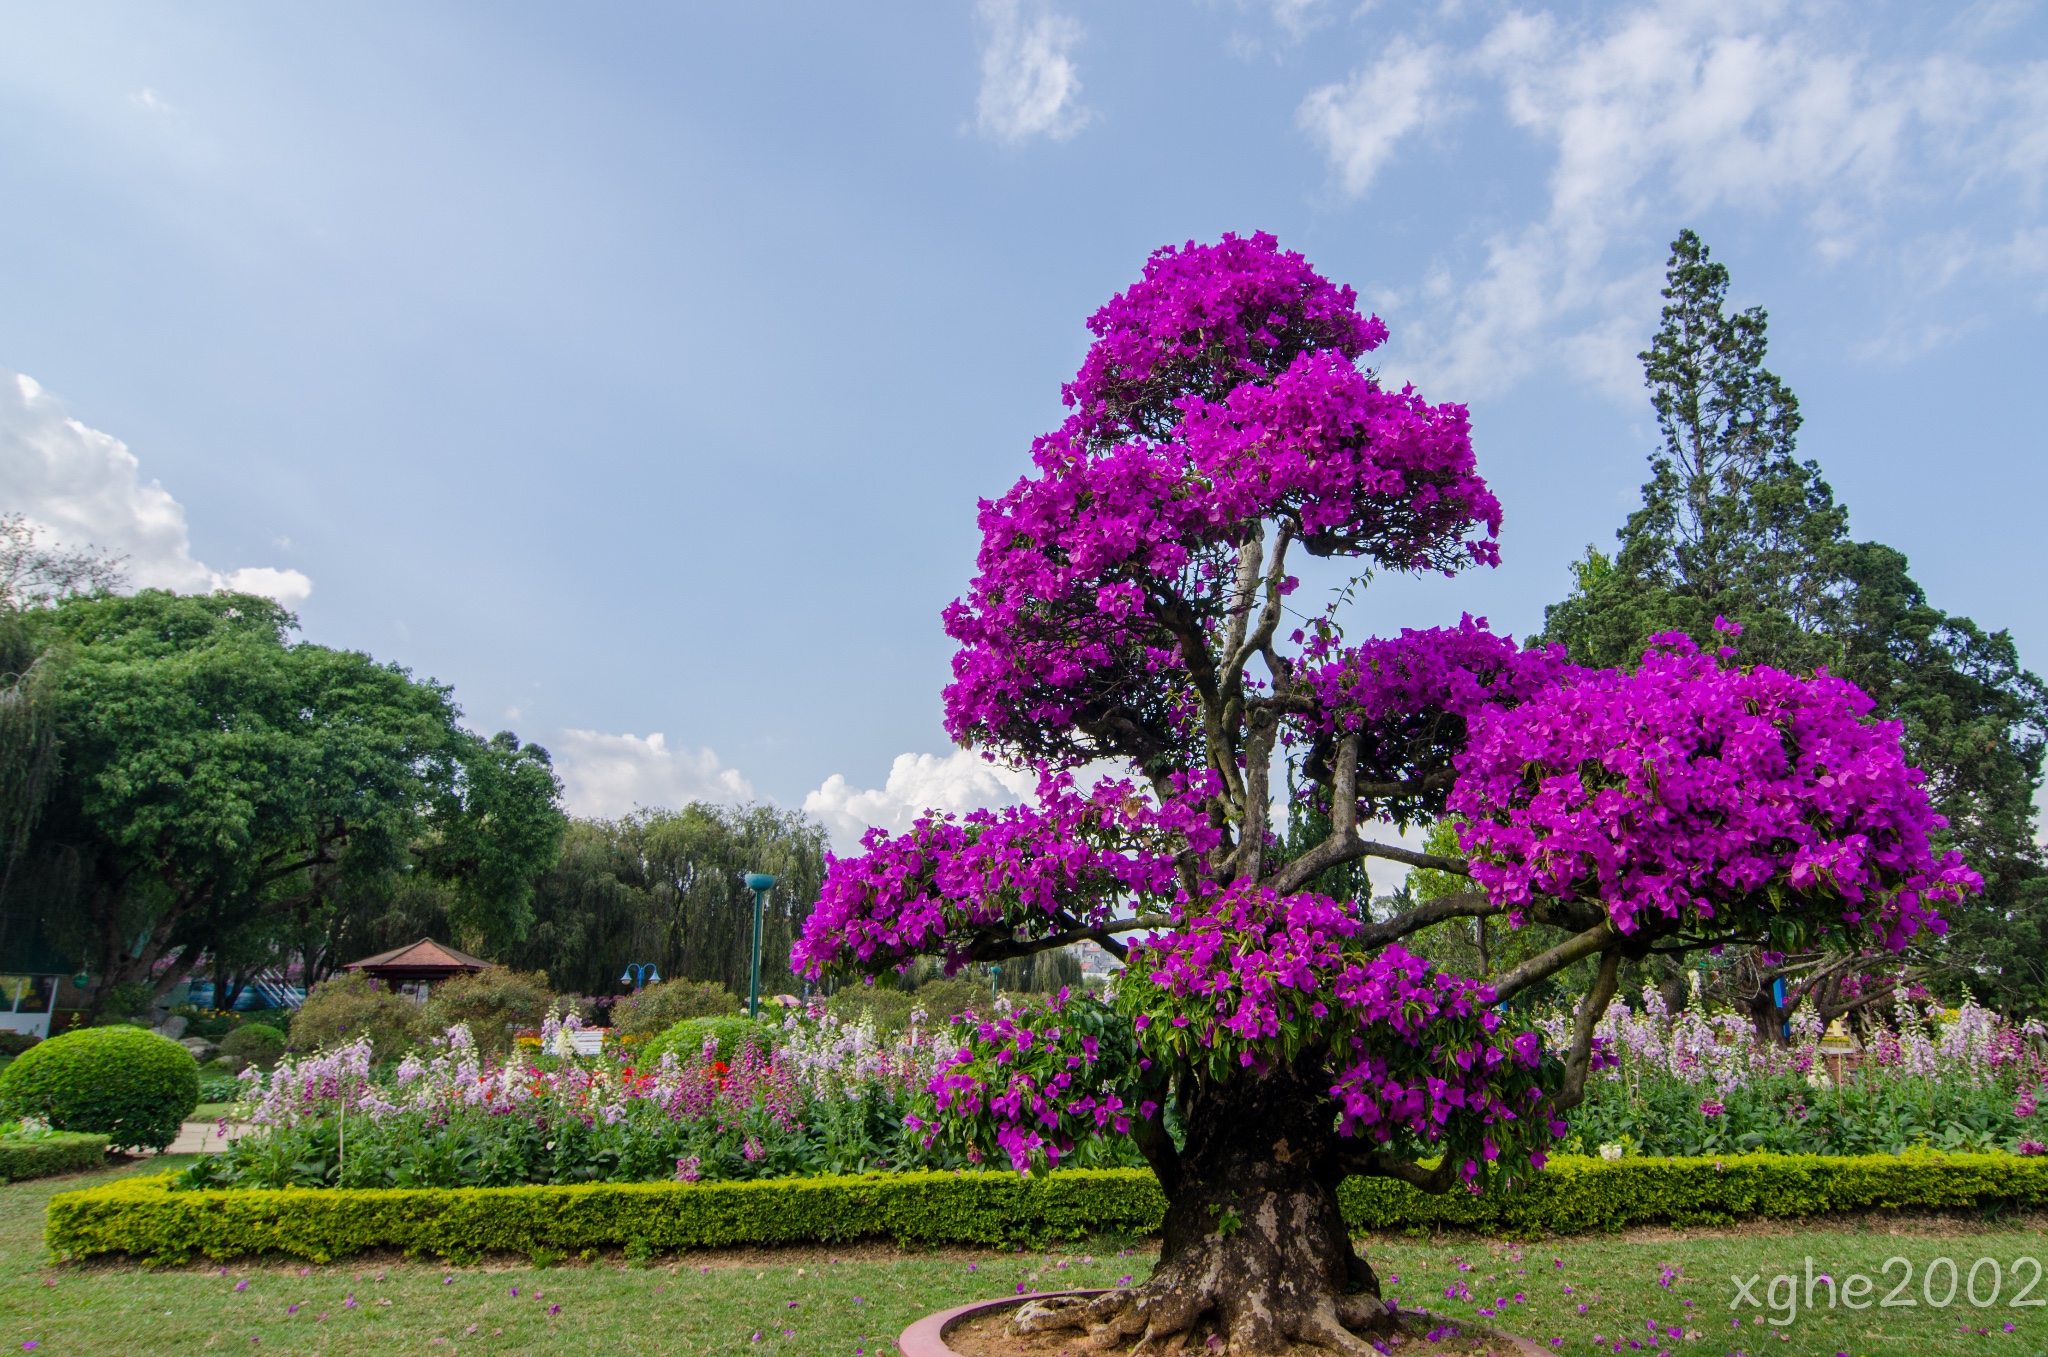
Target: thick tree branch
x=1258, y=748
x=996, y=947
x=1540, y=968
x=1463, y=905
x=1269, y=616
x=1244, y=590
x=1414, y=786
x=1378, y=1164
x=1159, y=1150
x=1580, y=1058
x=1340, y=849
x=1344, y=806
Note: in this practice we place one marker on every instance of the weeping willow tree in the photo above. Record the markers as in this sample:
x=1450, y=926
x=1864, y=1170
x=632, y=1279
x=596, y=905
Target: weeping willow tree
x=28, y=742
x=34, y=573
x=664, y=886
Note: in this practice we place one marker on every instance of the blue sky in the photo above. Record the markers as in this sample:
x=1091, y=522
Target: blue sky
x=635, y=369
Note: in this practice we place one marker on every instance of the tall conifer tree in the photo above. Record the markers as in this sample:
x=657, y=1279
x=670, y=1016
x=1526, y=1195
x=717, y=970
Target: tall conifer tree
x=1733, y=524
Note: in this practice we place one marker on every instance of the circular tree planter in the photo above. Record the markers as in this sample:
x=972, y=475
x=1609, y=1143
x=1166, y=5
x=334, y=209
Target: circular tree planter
x=927, y=1337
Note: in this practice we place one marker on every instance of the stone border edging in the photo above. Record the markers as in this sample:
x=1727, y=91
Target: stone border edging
x=927, y=1337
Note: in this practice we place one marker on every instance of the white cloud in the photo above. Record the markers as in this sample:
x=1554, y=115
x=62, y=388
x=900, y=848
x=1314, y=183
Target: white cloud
x=1361, y=121
x=608, y=775
x=149, y=101
x=1029, y=83
x=960, y=781
x=1296, y=16
x=1650, y=117
x=84, y=488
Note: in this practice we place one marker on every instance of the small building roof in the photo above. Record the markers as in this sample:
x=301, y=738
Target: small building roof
x=420, y=958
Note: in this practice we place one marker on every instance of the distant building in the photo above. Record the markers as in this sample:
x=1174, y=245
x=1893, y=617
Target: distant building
x=32, y=972
x=1096, y=962
x=417, y=967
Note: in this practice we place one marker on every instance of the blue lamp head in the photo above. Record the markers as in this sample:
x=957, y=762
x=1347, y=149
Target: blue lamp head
x=759, y=881
x=653, y=975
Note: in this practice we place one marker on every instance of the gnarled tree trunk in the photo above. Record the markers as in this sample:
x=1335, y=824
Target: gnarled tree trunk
x=1254, y=1241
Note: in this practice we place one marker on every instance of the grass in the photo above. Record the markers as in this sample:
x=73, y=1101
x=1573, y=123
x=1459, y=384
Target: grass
x=1614, y=1288
x=855, y=1300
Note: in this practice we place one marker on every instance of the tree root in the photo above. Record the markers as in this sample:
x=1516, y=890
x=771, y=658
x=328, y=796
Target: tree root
x=1165, y=1313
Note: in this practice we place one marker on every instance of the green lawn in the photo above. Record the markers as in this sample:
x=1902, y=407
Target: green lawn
x=810, y=1303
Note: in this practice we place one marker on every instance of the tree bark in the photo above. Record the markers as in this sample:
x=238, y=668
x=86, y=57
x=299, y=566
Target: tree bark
x=1255, y=1246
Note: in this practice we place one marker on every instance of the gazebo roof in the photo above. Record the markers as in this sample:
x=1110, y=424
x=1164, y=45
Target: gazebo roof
x=422, y=957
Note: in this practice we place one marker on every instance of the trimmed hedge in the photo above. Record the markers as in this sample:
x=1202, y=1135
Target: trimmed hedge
x=143, y=1218
x=1576, y=1194
x=47, y=1156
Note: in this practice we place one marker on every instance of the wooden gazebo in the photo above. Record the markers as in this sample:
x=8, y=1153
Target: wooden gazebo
x=423, y=962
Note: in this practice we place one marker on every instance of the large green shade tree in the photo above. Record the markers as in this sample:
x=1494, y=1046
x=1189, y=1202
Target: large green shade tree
x=213, y=778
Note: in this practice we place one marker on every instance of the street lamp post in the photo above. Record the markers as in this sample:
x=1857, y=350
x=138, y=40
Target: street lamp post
x=640, y=973
x=760, y=883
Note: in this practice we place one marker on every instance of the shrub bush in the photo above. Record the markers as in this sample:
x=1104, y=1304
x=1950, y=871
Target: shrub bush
x=144, y=1218
x=131, y=1085
x=211, y=1023
x=253, y=1044
x=490, y=1001
x=687, y=1039
x=14, y=1043
x=941, y=999
x=350, y=1005
x=126, y=1002
x=47, y=1156
x=659, y=1007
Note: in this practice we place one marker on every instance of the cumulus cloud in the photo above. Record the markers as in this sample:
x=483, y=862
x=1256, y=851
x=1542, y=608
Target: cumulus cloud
x=1030, y=85
x=959, y=781
x=1653, y=115
x=608, y=775
x=1361, y=121
x=82, y=487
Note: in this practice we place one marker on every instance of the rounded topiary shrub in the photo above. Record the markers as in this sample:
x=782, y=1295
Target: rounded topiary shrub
x=492, y=1003
x=350, y=1005
x=131, y=1086
x=687, y=1039
x=661, y=1006
x=253, y=1044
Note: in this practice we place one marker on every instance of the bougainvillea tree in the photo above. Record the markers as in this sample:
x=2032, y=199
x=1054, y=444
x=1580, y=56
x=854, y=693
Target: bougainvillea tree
x=1263, y=1041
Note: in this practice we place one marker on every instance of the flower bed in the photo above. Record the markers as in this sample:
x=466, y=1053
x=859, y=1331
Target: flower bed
x=146, y=1218
x=831, y=1097
x=1692, y=1084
